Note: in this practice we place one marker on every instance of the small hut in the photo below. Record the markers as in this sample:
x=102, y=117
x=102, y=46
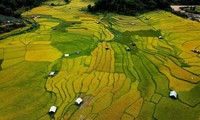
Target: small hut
x=66, y=55
x=77, y=52
x=52, y=73
x=160, y=37
x=195, y=51
x=78, y=101
x=133, y=44
x=173, y=94
x=128, y=49
x=132, y=23
x=53, y=28
x=107, y=47
x=52, y=109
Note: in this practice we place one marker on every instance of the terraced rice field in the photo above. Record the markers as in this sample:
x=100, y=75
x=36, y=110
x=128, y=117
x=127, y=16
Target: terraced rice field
x=114, y=83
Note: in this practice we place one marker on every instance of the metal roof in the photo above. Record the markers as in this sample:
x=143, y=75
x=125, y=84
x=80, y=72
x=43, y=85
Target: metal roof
x=53, y=109
x=52, y=73
x=173, y=94
x=79, y=101
x=66, y=55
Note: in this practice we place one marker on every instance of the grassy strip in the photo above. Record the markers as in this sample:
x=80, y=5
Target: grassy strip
x=18, y=91
x=146, y=86
x=147, y=111
x=174, y=107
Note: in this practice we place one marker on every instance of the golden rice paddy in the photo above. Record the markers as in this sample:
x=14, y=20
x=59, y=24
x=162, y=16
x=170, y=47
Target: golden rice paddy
x=113, y=82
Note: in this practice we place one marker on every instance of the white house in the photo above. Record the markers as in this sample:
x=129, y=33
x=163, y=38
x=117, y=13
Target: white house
x=52, y=73
x=160, y=37
x=173, y=94
x=107, y=47
x=132, y=23
x=78, y=101
x=128, y=49
x=66, y=55
x=77, y=52
x=52, y=109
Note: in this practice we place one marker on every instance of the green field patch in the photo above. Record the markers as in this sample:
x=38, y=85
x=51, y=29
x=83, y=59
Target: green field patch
x=147, y=33
x=127, y=40
x=156, y=98
x=49, y=24
x=118, y=57
x=146, y=85
x=174, y=109
x=191, y=97
x=147, y=111
x=61, y=27
x=57, y=65
x=73, y=42
x=161, y=84
x=121, y=84
x=17, y=91
x=160, y=80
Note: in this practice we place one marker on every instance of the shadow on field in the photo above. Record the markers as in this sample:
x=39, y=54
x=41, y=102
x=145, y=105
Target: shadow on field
x=1, y=61
x=147, y=33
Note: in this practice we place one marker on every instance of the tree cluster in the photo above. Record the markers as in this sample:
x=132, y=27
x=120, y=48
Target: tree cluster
x=11, y=7
x=129, y=7
x=185, y=2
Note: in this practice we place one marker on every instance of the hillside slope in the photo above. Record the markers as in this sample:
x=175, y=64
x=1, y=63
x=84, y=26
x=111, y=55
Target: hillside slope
x=130, y=7
x=12, y=7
